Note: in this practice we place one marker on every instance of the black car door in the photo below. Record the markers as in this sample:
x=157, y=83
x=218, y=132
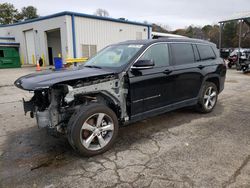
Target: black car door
x=187, y=71
x=151, y=88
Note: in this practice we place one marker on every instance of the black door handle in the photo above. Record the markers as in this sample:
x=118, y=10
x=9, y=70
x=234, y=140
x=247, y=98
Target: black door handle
x=201, y=66
x=167, y=71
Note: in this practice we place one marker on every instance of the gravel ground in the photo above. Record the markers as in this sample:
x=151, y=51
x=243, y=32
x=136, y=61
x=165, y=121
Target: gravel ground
x=176, y=149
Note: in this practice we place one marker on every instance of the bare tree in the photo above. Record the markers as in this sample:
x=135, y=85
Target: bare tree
x=164, y=26
x=159, y=28
x=101, y=12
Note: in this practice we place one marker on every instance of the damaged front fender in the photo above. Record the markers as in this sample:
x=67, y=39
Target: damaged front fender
x=114, y=89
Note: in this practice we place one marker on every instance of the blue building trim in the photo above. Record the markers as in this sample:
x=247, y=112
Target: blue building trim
x=106, y=18
x=73, y=34
x=9, y=43
x=77, y=14
x=8, y=38
x=149, y=37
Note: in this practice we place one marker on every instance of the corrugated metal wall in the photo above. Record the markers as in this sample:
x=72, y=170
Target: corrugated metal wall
x=30, y=45
x=39, y=29
x=102, y=33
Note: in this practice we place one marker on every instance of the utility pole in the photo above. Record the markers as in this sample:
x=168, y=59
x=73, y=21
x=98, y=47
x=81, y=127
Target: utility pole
x=220, y=37
x=240, y=33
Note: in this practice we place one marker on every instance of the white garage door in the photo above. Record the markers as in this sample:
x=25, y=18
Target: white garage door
x=30, y=45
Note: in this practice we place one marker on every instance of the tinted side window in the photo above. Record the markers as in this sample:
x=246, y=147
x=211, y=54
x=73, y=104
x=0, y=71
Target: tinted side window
x=206, y=52
x=159, y=53
x=182, y=53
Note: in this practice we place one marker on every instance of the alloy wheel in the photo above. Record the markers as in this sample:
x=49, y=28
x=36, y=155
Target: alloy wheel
x=210, y=98
x=97, y=131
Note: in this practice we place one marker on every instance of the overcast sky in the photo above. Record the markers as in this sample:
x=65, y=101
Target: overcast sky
x=173, y=13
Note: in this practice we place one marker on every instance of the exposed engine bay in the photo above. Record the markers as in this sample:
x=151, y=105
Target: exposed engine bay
x=54, y=106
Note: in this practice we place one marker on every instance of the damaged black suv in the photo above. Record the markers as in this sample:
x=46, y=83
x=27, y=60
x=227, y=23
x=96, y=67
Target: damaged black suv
x=124, y=83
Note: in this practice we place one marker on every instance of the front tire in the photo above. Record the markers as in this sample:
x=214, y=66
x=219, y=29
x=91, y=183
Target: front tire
x=93, y=129
x=208, y=98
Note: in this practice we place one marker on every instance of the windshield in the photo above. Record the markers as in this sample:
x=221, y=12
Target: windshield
x=114, y=56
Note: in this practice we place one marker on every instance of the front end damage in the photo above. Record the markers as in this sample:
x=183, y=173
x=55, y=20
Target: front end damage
x=53, y=107
x=48, y=107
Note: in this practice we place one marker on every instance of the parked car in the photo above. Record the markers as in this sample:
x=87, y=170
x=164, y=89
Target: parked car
x=225, y=52
x=124, y=83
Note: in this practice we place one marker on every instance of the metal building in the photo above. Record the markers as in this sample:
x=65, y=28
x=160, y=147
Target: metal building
x=73, y=35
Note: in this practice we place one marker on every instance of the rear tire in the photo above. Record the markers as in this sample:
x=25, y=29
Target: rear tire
x=93, y=129
x=245, y=69
x=208, y=98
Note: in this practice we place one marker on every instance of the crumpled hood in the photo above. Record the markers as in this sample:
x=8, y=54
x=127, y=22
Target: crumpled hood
x=47, y=78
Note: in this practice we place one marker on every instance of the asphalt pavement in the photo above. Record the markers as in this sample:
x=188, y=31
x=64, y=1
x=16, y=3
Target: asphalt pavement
x=177, y=149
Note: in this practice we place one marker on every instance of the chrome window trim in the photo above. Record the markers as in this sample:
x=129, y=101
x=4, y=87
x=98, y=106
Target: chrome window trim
x=131, y=67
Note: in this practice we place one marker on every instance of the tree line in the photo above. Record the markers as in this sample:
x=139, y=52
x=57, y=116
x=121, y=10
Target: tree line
x=230, y=33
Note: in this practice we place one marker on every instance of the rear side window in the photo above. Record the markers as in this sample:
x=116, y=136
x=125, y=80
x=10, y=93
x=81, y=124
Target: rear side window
x=206, y=52
x=158, y=53
x=182, y=53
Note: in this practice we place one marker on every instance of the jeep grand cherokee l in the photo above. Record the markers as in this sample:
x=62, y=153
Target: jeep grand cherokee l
x=124, y=83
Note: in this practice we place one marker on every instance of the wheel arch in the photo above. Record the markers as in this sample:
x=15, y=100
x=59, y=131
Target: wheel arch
x=111, y=102
x=215, y=80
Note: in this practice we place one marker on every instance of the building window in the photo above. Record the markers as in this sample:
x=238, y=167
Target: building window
x=1, y=53
x=88, y=50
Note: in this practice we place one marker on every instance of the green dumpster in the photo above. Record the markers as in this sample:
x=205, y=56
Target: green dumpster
x=9, y=57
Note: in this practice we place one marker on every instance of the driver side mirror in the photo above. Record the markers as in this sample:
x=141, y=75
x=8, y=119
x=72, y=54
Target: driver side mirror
x=143, y=64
